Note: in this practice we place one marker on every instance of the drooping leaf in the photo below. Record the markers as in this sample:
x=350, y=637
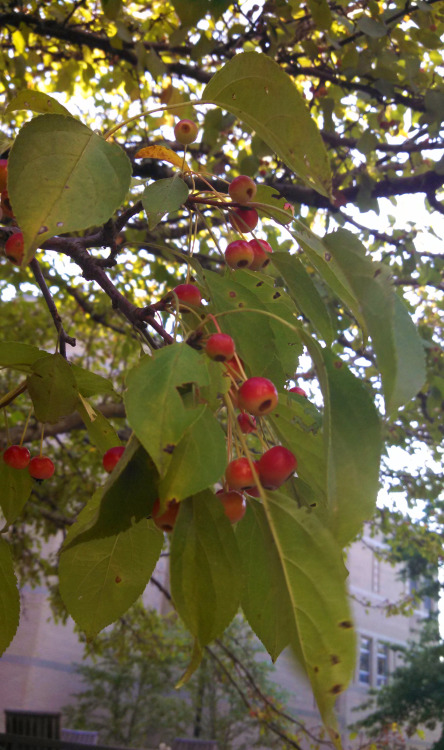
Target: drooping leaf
x=154, y=407
x=304, y=293
x=205, y=565
x=19, y=356
x=16, y=486
x=63, y=177
x=198, y=461
x=91, y=384
x=262, y=95
x=162, y=197
x=100, y=431
x=163, y=154
x=352, y=443
x=399, y=352
x=195, y=661
x=52, y=388
x=36, y=101
x=9, y=597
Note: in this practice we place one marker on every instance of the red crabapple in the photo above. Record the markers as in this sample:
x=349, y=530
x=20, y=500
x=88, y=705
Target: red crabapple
x=41, y=467
x=14, y=248
x=260, y=249
x=239, y=475
x=111, y=457
x=3, y=174
x=275, y=466
x=244, y=219
x=186, y=132
x=238, y=254
x=220, y=347
x=166, y=520
x=17, y=456
x=258, y=396
x=188, y=294
x=246, y=423
x=234, y=504
x=298, y=390
x=242, y=189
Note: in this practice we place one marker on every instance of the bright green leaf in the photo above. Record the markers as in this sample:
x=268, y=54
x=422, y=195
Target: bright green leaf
x=271, y=198
x=63, y=177
x=16, y=486
x=263, y=96
x=91, y=384
x=9, y=598
x=205, y=565
x=321, y=13
x=165, y=196
x=19, y=356
x=36, y=101
x=52, y=388
x=100, y=431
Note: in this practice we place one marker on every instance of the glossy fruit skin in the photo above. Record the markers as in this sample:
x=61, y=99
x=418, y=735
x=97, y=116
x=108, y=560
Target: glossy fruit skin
x=298, y=390
x=3, y=174
x=242, y=189
x=188, y=294
x=166, y=520
x=186, y=132
x=234, y=369
x=234, y=504
x=17, y=456
x=111, y=457
x=275, y=466
x=239, y=475
x=260, y=249
x=14, y=248
x=41, y=467
x=247, y=423
x=238, y=254
x=258, y=396
x=244, y=219
x=5, y=205
x=220, y=347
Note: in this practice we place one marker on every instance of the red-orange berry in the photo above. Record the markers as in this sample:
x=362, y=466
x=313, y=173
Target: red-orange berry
x=244, y=219
x=239, y=254
x=298, y=390
x=166, y=520
x=239, y=475
x=186, y=132
x=275, y=466
x=188, y=294
x=111, y=457
x=14, y=248
x=242, y=189
x=220, y=346
x=41, y=467
x=261, y=250
x=234, y=504
x=3, y=174
x=258, y=396
x=17, y=456
x=246, y=422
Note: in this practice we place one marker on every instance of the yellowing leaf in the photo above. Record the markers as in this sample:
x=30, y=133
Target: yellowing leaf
x=164, y=154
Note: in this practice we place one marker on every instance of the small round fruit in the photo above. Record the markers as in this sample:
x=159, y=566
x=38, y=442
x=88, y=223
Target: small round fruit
x=220, y=346
x=186, y=132
x=275, y=466
x=166, y=520
x=260, y=249
x=239, y=475
x=17, y=456
x=244, y=219
x=238, y=254
x=258, y=396
x=242, y=189
x=234, y=368
x=299, y=391
x=234, y=504
x=14, y=248
x=3, y=174
x=41, y=467
x=188, y=294
x=111, y=457
x=246, y=422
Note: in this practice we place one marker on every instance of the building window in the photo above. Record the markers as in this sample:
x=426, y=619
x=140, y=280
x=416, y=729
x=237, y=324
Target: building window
x=375, y=574
x=382, y=670
x=365, y=660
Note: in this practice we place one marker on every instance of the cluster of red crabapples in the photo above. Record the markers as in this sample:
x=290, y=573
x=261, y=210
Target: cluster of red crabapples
x=19, y=457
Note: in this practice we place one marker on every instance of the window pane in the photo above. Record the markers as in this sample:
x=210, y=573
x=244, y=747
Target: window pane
x=382, y=665
x=365, y=658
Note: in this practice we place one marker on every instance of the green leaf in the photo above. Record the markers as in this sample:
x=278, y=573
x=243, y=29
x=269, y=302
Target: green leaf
x=252, y=298
x=397, y=346
x=304, y=293
x=195, y=661
x=100, y=431
x=371, y=27
x=91, y=384
x=352, y=435
x=9, y=599
x=16, y=486
x=321, y=13
x=101, y=577
x=52, y=388
x=154, y=407
x=198, y=461
x=37, y=101
x=63, y=177
x=191, y=12
x=111, y=8
x=205, y=565
x=19, y=356
x=263, y=96
x=271, y=198
x=164, y=196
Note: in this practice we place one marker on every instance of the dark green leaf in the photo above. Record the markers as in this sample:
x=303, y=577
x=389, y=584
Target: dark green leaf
x=90, y=384
x=36, y=101
x=19, y=356
x=9, y=599
x=16, y=486
x=52, y=388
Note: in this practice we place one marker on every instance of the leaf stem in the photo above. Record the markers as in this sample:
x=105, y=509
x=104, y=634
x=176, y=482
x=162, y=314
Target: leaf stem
x=148, y=112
